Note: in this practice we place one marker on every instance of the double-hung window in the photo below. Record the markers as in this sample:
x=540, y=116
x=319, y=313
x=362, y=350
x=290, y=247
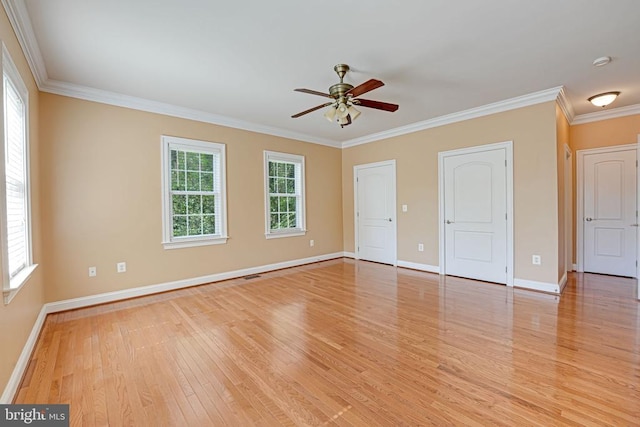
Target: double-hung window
x=284, y=195
x=194, y=193
x=17, y=264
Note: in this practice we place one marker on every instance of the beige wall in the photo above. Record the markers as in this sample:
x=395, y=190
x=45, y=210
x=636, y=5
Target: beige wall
x=102, y=195
x=562, y=139
x=533, y=132
x=17, y=318
x=604, y=133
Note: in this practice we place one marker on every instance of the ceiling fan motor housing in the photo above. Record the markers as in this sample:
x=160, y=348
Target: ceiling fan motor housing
x=338, y=90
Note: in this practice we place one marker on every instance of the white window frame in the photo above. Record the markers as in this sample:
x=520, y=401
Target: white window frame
x=301, y=214
x=12, y=285
x=167, y=144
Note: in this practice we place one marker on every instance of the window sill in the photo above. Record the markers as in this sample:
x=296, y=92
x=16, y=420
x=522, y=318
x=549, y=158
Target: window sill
x=18, y=282
x=195, y=243
x=279, y=234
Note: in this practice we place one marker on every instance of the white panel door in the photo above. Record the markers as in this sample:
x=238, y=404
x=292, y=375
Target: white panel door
x=475, y=206
x=610, y=213
x=375, y=213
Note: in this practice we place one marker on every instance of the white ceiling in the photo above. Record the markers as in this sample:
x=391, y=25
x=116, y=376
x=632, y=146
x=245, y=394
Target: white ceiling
x=240, y=61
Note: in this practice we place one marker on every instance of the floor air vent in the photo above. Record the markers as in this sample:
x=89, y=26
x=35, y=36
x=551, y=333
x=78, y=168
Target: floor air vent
x=251, y=276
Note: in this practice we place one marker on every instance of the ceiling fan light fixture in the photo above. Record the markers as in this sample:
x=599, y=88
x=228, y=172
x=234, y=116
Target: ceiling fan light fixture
x=343, y=110
x=603, y=99
x=353, y=112
x=331, y=113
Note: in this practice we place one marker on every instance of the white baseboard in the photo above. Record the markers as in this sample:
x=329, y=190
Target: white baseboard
x=349, y=255
x=575, y=267
x=23, y=361
x=563, y=282
x=70, y=304
x=418, y=266
x=53, y=307
x=552, y=288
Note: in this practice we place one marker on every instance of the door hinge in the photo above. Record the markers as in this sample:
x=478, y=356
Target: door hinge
x=505, y=216
x=505, y=270
x=505, y=163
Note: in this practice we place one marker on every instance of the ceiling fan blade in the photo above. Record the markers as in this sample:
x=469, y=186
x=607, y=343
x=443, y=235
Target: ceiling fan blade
x=376, y=104
x=365, y=87
x=317, y=107
x=313, y=92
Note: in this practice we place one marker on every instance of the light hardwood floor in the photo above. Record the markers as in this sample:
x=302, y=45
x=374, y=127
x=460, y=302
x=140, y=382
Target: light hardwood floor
x=347, y=343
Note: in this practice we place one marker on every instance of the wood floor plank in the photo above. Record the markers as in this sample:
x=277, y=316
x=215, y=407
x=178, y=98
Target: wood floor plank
x=347, y=343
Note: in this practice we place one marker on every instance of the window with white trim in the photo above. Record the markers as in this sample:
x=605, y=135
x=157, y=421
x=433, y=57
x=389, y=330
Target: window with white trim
x=15, y=198
x=284, y=195
x=194, y=193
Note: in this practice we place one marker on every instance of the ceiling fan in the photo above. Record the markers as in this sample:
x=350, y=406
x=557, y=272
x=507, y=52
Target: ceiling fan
x=344, y=98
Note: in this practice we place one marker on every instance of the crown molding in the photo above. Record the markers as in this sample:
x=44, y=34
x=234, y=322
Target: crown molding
x=565, y=105
x=119, y=100
x=21, y=23
x=484, y=110
x=606, y=114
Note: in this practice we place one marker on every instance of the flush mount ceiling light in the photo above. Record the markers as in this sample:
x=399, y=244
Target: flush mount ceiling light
x=344, y=98
x=603, y=99
x=603, y=60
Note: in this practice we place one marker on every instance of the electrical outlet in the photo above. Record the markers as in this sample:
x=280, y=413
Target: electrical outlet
x=93, y=272
x=404, y=208
x=536, y=260
x=311, y=243
x=121, y=267
x=420, y=247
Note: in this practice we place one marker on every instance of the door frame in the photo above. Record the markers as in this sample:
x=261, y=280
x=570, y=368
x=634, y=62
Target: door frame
x=356, y=220
x=580, y=155
x=508, y=147
x=568, y=208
